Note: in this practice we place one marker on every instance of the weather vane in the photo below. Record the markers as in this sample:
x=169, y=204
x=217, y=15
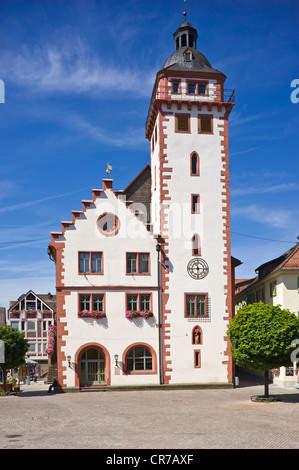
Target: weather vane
x=109, y=168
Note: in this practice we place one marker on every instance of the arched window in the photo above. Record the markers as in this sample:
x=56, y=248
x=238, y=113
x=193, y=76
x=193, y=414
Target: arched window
x=194, y=164
x=196, y=248
x=139, y=358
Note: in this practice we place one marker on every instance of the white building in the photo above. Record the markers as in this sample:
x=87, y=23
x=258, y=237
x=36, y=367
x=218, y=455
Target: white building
x=172, y=266
x=276, y=283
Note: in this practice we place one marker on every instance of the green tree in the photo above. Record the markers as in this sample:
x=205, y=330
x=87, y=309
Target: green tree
x=15, y=348
x=261, y=337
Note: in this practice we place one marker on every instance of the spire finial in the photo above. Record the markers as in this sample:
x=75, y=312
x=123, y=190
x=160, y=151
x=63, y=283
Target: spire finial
x=185, y=10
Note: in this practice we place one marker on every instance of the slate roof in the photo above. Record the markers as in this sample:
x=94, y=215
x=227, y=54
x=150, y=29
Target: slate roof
x=199, y=63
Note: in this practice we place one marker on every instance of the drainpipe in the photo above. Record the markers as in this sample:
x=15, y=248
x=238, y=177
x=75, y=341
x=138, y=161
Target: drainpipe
x=161, y=372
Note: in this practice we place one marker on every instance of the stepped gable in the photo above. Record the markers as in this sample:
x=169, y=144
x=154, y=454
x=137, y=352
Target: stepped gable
x=136, y=191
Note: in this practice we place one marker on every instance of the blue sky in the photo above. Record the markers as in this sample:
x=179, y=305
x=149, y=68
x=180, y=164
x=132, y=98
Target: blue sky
x=78, y=80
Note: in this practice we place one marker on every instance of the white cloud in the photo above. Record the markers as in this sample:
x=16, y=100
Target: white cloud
x=275, y=218
x=130, y=138
x=69, y=67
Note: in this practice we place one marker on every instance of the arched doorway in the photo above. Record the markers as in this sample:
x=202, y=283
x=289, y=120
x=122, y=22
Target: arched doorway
x=92, y=367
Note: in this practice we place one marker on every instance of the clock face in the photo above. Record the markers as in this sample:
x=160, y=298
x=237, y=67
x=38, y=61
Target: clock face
x=198, y=268
x=108, y=224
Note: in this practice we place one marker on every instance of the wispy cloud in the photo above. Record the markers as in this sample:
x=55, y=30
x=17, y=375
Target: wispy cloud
x=33, y=202
x=130, y=138
x=276, y=188
x=233, y=154
x=69, y=67
x=279, y=218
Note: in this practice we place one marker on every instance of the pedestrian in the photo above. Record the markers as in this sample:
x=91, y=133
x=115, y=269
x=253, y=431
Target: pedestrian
x=53, y=385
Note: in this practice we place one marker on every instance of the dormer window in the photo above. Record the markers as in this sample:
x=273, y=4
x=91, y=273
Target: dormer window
x=188, y=56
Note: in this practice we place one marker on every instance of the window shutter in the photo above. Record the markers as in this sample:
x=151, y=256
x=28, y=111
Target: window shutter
x=183, y=123
x=205, y=124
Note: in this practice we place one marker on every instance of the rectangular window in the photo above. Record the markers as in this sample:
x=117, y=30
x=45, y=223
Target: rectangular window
x=205, y=125
x=92, y=302
x=90, y=263
x=98, y=302
x=145, y=302
x=84, y=302
x=131, y=263
x=191, y=88
x=15, y=324
x=175, y=87
x=96, y=262
x=30, y=325
x=84, y=262
x=182, y=123
x=196, y=305
x=197, y=361
x=195, y=204
x=139, y=302
x=273, y=289
x=132, y=302
x=143, y=263
x=138, y=263
x=202, y=89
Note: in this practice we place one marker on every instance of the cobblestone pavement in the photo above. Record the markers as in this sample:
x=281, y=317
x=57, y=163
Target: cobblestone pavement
x=149, y=419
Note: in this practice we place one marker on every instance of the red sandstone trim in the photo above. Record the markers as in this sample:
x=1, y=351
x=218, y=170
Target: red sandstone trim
x=107, y=362
x=142, y=372
x=226, y=236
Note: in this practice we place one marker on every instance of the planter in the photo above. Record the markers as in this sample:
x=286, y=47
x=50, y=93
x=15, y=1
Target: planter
x=8, y=387
x=130, y=314
x=89, y=314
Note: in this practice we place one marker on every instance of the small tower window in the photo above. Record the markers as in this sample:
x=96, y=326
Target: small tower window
x=182, y=123
x=195, y=204
x=205, y=125
x=194, y=164
x=191, y=88
x=196, y=250
x=190, y=40
x=175, y=87
x=184, y=40
x=202, y=89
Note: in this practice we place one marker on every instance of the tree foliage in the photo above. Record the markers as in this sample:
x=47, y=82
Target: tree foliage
x=261, y=336
x=15, y=348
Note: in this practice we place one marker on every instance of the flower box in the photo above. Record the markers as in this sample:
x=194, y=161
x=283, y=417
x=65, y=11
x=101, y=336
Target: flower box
x=130, y=314
x=91, y=314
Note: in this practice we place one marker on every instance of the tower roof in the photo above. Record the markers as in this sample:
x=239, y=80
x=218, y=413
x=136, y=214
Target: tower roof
x=185, y=40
